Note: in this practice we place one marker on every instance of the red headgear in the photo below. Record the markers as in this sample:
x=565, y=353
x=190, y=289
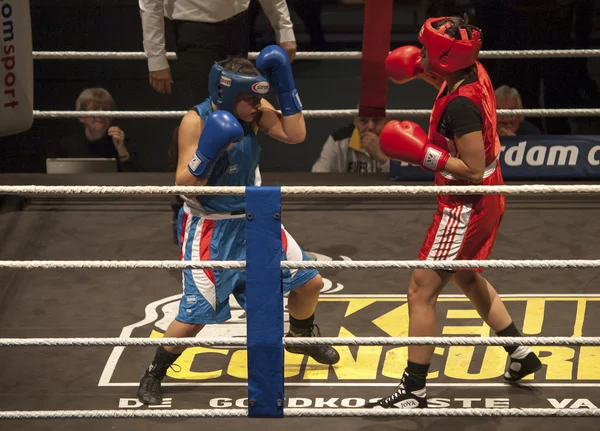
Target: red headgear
x=446, y=54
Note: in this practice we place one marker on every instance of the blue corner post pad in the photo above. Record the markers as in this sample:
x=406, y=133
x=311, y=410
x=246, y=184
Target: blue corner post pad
x=264, y=302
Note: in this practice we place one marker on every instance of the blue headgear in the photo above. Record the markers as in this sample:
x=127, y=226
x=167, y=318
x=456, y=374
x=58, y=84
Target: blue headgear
x=224, y=86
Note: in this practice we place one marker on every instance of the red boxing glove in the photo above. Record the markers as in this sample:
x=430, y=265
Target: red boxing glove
x=408, y=142
x=404, y=64
x=400, y=64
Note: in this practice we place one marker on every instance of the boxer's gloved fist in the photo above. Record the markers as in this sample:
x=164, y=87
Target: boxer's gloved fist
x=220, y=129
x=400, y=64
x=408, y=142
x=404, y=64
x=274, y=64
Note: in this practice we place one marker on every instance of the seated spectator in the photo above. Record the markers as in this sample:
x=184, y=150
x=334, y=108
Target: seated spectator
x=509, y=98
x=98, y=138
x=354, y=148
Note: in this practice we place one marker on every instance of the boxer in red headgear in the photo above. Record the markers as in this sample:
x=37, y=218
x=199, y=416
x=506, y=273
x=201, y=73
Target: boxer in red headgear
x=462, y=148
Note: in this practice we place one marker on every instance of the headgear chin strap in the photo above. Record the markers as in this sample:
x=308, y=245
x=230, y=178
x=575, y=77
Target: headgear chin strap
x=224, y=86
x=446, y=54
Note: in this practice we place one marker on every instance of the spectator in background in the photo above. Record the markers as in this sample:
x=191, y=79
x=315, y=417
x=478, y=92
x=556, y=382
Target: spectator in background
x=509, y=98
x=205, y=31
x=354, y=148
x=98, y=138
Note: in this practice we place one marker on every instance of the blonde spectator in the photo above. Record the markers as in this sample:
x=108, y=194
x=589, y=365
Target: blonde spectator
x=98, y=138
x=509, y=98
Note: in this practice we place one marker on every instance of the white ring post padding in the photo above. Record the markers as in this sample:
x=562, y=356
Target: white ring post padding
x=302, y=264
x=297, y=412
x=325, y=113
x=299, y=341
x=325, y=55
x=524, y=189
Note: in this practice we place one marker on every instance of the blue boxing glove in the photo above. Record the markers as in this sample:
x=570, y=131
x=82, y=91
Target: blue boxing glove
x=274, y=64
x=220, y=129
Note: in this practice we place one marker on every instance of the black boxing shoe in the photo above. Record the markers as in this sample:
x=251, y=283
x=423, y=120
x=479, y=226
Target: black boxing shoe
x=402, y=398
x=323, y=353
x=150, y=391
x=522, y=363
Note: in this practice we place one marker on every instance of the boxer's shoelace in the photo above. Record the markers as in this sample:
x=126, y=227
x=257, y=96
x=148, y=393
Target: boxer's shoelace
x=312, y=331
x=160, y=373
x=390, y=400
x=308, y=332
x=401, y=392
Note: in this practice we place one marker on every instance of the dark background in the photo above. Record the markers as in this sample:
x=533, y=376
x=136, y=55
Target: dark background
x=114, y=25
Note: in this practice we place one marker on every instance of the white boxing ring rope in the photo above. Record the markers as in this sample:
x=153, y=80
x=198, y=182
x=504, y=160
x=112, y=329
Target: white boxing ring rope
x=318, y=113
x=295, y=190
x=524, y=189
x=325, y=55
x=313, y=341
x=290, y=264
x=297, y=412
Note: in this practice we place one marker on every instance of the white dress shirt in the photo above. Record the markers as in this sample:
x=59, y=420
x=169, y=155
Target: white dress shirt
x=153, y=13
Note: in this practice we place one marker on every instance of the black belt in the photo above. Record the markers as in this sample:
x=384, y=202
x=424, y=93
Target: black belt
x=238, y=212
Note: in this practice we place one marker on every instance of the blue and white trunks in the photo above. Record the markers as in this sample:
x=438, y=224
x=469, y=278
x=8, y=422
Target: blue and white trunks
x=206, y=292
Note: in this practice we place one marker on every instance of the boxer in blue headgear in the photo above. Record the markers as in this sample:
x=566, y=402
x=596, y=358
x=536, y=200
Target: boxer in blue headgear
x=218, y=146
x=224, y=86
